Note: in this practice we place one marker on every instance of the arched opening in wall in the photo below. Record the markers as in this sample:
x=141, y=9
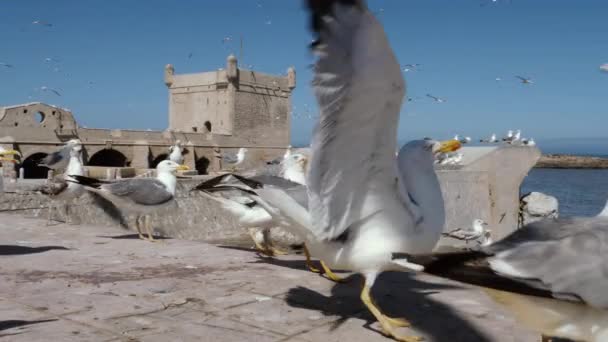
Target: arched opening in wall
x=31, y=168
x=158, y=159
x=108, y=157
x=40, y=117
x=208, y=126
x=202, y=166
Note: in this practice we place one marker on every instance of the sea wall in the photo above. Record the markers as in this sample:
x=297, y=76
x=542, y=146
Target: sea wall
x=564, y=161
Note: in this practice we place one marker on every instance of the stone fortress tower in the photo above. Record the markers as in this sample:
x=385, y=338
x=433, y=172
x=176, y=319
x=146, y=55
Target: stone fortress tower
x=232, y=105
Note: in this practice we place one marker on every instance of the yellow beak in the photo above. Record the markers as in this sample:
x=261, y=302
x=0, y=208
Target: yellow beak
x=10, y=153
x=183, y=168
x=449, y=146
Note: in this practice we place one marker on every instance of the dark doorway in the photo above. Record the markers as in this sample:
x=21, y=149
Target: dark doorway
x=31, y=168
x=202, y=166
x=108, y=157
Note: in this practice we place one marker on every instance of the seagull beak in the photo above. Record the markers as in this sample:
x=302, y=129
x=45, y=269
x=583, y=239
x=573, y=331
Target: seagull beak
x=449, y=146
x=183, y=168
x=10, y=153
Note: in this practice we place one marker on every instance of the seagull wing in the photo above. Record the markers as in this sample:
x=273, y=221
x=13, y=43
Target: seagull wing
x=562, y=265
x=142, y=191
x=359, y=88
x=57, y=159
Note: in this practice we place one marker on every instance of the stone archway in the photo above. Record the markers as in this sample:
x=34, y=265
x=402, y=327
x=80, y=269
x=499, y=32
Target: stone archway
x=30, y=166
x=108, y=157
x=202, y=165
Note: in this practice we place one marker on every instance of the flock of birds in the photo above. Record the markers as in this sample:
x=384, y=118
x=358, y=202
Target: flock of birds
x=359, y=207
x=511, y=138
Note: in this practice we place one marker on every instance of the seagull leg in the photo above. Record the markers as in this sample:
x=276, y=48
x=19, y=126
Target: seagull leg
x=50, y=213
x=388, y=324
x=269, y=246
x=331, y=275
x=148, y=226
x=137, y=225
x=252, y=232
x=309, y=262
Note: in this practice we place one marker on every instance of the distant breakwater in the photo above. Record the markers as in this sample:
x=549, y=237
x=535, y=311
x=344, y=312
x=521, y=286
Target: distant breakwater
x=567, y=161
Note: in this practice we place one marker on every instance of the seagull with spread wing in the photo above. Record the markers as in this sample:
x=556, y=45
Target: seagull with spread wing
x=59, y=159
x=360, y=207
x=141, y=196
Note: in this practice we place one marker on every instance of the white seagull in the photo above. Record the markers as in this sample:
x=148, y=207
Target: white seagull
x=235, y=160
x=435, y=98
x=358, y=216
x=62, y=188
x=476, y=232
x=141, y=196
x=463, y=140
x=604, y=67
x=492, y=139
x=175, y=153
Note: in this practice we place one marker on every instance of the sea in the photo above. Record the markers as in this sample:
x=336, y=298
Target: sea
x=579, y=192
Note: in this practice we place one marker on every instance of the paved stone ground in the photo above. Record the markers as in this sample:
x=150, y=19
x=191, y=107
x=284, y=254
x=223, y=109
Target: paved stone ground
x=93, y=283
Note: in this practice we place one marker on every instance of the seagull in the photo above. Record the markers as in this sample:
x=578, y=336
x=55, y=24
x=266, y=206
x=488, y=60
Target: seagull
x=463, y=140
x=62, y=188
x=449, y=158
x=492, y=139
x=58, y=160
x=45, y=88
x=279, y=160
x=357, y=215
x=252, y=214
x=525, y=80
x=551, y=274
x=291, y=175
x=604, y=67
x=175, y=153
x=475, y=232
x=43, y=23
x=436, y=99
x=6, y=65
x=513, y=137
x=235, y=160
x=141, y=196
x=411, y=67
x=528, y=142
x=8, y=155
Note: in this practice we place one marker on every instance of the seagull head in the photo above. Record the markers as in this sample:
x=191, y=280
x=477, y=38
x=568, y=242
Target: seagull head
x=479, y=223
x=4, y=152
x=168, y=166
x=419, y=151
x=296, y=160
x=75, y=144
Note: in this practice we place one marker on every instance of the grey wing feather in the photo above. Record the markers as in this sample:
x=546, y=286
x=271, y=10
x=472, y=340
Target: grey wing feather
x=296, y=191
x=574, y=267
x=546, y=230
x=143, y=191
x=57, y=160
x=359, y=87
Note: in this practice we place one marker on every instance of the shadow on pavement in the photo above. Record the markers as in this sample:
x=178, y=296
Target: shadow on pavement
x=4, y=325
x=398, y=294
x=22, y=250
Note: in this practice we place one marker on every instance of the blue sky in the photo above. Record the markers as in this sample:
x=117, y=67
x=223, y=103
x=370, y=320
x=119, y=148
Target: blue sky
x=110, y=58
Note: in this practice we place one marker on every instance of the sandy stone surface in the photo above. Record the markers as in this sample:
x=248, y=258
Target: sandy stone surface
x=95, y=283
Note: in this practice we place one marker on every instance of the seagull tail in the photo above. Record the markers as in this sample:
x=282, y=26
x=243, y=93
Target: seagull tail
x=249, y=215
x=218, y=182
x=86, y=181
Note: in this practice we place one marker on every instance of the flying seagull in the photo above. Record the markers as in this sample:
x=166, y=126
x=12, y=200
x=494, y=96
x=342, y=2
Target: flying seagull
x=141, y=196
x=59, y=159
x=524, y=80
x=6, y=65
x=45, y=88
x=42, y=23
x=604, y=67
x=357, y=212
x=435, y=98
x=551, y=274
x=62, y=188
